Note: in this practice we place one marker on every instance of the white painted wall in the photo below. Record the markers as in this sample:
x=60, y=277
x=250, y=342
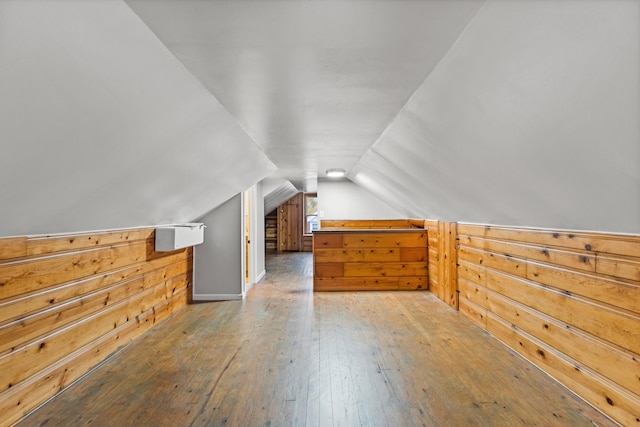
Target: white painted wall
x=219, y=261
x=101, y=127
x=343, y=199
x=532, y=118
x=255, y=207
x=258, y=226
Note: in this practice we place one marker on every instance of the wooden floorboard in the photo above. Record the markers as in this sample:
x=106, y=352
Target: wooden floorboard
x=288, y=357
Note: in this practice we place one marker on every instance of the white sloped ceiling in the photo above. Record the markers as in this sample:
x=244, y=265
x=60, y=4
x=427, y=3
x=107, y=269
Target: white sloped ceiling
x=276, y=192
x=532, y=118
x=314, y=82
x=101, y=127
x=154, y=111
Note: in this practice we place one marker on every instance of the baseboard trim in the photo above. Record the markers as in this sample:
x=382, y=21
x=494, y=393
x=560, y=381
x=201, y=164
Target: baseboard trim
x=217, y=297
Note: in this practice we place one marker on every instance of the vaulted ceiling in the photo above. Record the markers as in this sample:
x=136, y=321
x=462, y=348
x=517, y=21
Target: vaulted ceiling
x=314, y=83
x=127, y=113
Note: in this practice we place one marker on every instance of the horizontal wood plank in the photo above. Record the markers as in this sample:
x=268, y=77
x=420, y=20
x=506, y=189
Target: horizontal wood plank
x=473, y=312
x=610, y=291
x=27, y=276
x=357, y=255
x=594, y=242
x=472, y=272
x=618, y=365
x=622, y=268
x=369, y=224
x=504, y=263
x=328, y=269
x=576, y=260
x=473, y=292
x=327, y=240
x=24, y=329
x=413, y=254
x=28, y=395
x=385, y=269
x=604, y=394
x=62, y=295
x=620, y=328
x=27, y=360
x=23, y=304
x=369, y=283
x=387, y=240
x=13, y=247
x=39, y=245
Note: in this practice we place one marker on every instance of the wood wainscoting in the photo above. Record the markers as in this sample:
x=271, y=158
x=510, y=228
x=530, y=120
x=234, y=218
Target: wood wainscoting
x=369, y=255
x=568, y=301
x=69, y=301
x=442, y=260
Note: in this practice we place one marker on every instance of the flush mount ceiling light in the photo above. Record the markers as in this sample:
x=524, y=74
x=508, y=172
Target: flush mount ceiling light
x=335, y=173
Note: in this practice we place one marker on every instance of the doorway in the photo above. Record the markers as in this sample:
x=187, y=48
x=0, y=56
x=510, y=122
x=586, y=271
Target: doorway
x=247, y=236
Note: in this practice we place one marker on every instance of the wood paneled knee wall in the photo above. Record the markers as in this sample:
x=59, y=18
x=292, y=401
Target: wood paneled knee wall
x=69, y=301
x=568, y=301
x=442, y=256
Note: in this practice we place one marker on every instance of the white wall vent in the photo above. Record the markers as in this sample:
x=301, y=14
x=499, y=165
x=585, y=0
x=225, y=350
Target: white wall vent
x=178, y=236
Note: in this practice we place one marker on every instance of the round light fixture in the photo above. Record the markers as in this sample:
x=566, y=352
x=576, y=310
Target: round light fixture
x=335, y=173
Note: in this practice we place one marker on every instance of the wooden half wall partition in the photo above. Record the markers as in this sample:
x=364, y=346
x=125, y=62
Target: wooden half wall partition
x=69, y=301
x=370, y=255
x=568, y=301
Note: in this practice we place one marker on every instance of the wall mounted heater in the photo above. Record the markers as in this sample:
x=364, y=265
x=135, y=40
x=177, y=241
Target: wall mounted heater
x=178, y=236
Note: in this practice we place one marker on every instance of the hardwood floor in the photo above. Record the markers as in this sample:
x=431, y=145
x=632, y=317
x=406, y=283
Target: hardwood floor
x=288, y=357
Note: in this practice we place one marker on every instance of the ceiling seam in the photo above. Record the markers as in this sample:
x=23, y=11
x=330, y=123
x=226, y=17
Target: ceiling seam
x=404, y=107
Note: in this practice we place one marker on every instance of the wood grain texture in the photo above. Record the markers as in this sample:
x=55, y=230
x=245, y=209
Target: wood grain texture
x=600, y=392
x=433, y=255
x=370, y=259
x=13, y=247
x=39, y=245
x=390, y=239
x=32, y=274
x=287, y=356
x=370, y=283
x=327, y=240
x=569, y=301
x=370, y=224
x=385, y=269
x=580, y=260
x=450, y=261
x=442, y=244
x=290, y=224
x=68, y=301
x=612, y=361
x=357, y=255
x=621, y=244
